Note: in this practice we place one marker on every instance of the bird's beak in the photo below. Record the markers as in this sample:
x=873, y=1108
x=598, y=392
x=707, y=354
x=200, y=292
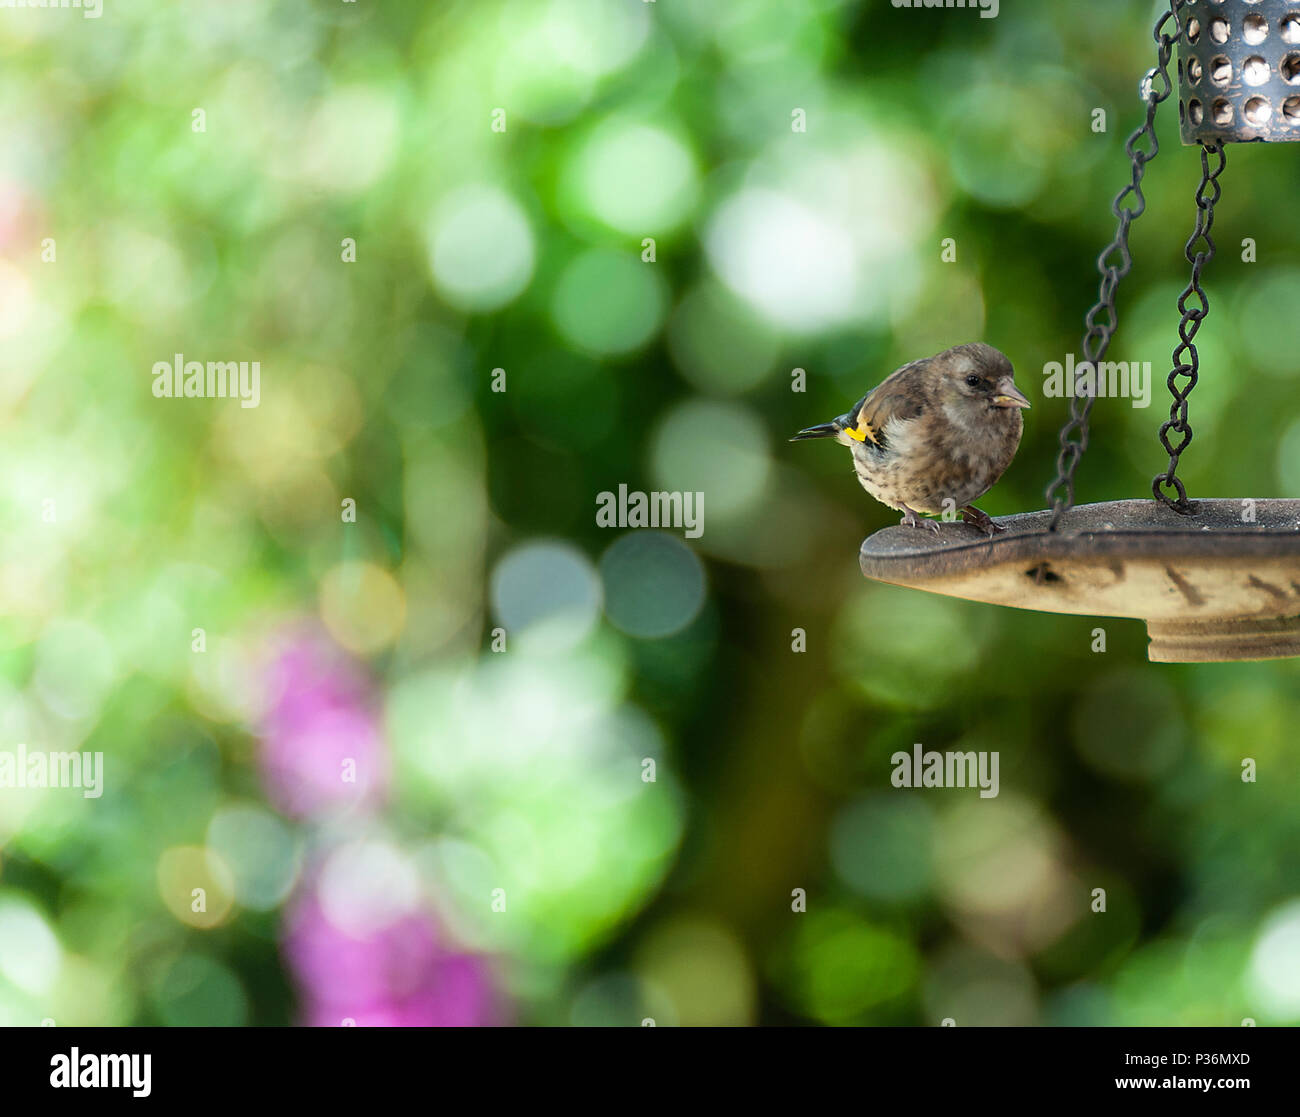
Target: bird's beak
x=824, y=430
x=1009, y=395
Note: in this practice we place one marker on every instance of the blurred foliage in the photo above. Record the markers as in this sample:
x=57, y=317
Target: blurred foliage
x=500, y=668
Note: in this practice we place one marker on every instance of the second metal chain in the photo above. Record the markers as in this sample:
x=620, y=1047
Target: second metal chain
x=1060, y=493
x=1207, y=194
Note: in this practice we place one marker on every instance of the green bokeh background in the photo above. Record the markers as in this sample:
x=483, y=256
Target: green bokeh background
x=130, y=521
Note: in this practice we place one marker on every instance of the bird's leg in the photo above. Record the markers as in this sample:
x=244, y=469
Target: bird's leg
x=981, y=520
x=911, y=519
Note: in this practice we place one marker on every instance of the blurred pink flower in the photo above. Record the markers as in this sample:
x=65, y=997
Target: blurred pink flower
x=18, y=218
x=322, y=745
x=397, y=976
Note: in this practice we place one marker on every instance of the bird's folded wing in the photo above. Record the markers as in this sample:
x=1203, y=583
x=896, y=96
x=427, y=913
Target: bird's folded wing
x=898, y=396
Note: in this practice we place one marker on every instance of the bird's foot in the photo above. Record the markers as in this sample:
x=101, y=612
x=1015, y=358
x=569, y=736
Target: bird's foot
x=981, y=520
x=911, y=519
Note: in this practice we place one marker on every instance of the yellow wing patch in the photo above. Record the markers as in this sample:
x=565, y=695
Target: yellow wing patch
x=864, y=431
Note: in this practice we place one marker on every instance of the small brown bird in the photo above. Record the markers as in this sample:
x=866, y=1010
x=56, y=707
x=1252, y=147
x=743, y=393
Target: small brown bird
x=935, y=435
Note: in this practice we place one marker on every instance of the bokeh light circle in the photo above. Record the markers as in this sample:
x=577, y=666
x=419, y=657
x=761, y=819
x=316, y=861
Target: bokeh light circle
x=608, y=303
x=1267, y=303
x=654, y=584
x=1288, y=458
x=635, y=177
x=551, y=53
x=260, y=852
x=1128, y=725
x=841, y=966
x=702, y=969
x=794, y=264
x=29, y=953
x=881, y=847
x=196, y=886
x=74, y=668
x=367, y=885
x=198, y=991
x=1274, y=974
x=362, y=605
x=546, y=595
x=719, y=449
x=480, y=248
x=618, y=1000
x=718, y=344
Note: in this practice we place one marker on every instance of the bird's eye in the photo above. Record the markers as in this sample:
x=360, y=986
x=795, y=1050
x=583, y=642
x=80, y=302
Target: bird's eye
x=973, y=381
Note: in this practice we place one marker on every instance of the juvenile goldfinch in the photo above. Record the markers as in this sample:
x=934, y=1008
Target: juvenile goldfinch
x=936, y=435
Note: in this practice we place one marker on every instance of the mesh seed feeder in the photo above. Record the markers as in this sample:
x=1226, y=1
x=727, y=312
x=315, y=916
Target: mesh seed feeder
x=1215, y=580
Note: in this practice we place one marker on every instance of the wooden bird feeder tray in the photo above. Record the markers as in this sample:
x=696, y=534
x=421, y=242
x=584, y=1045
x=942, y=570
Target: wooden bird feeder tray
x=1215, y=580
x=1211, y=587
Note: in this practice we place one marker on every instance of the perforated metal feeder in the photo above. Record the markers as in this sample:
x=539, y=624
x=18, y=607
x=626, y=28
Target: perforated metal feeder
x=1215, y=580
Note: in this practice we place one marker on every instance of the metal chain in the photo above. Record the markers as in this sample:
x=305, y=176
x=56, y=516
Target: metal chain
x=1192, y=317
x=1096, y=340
